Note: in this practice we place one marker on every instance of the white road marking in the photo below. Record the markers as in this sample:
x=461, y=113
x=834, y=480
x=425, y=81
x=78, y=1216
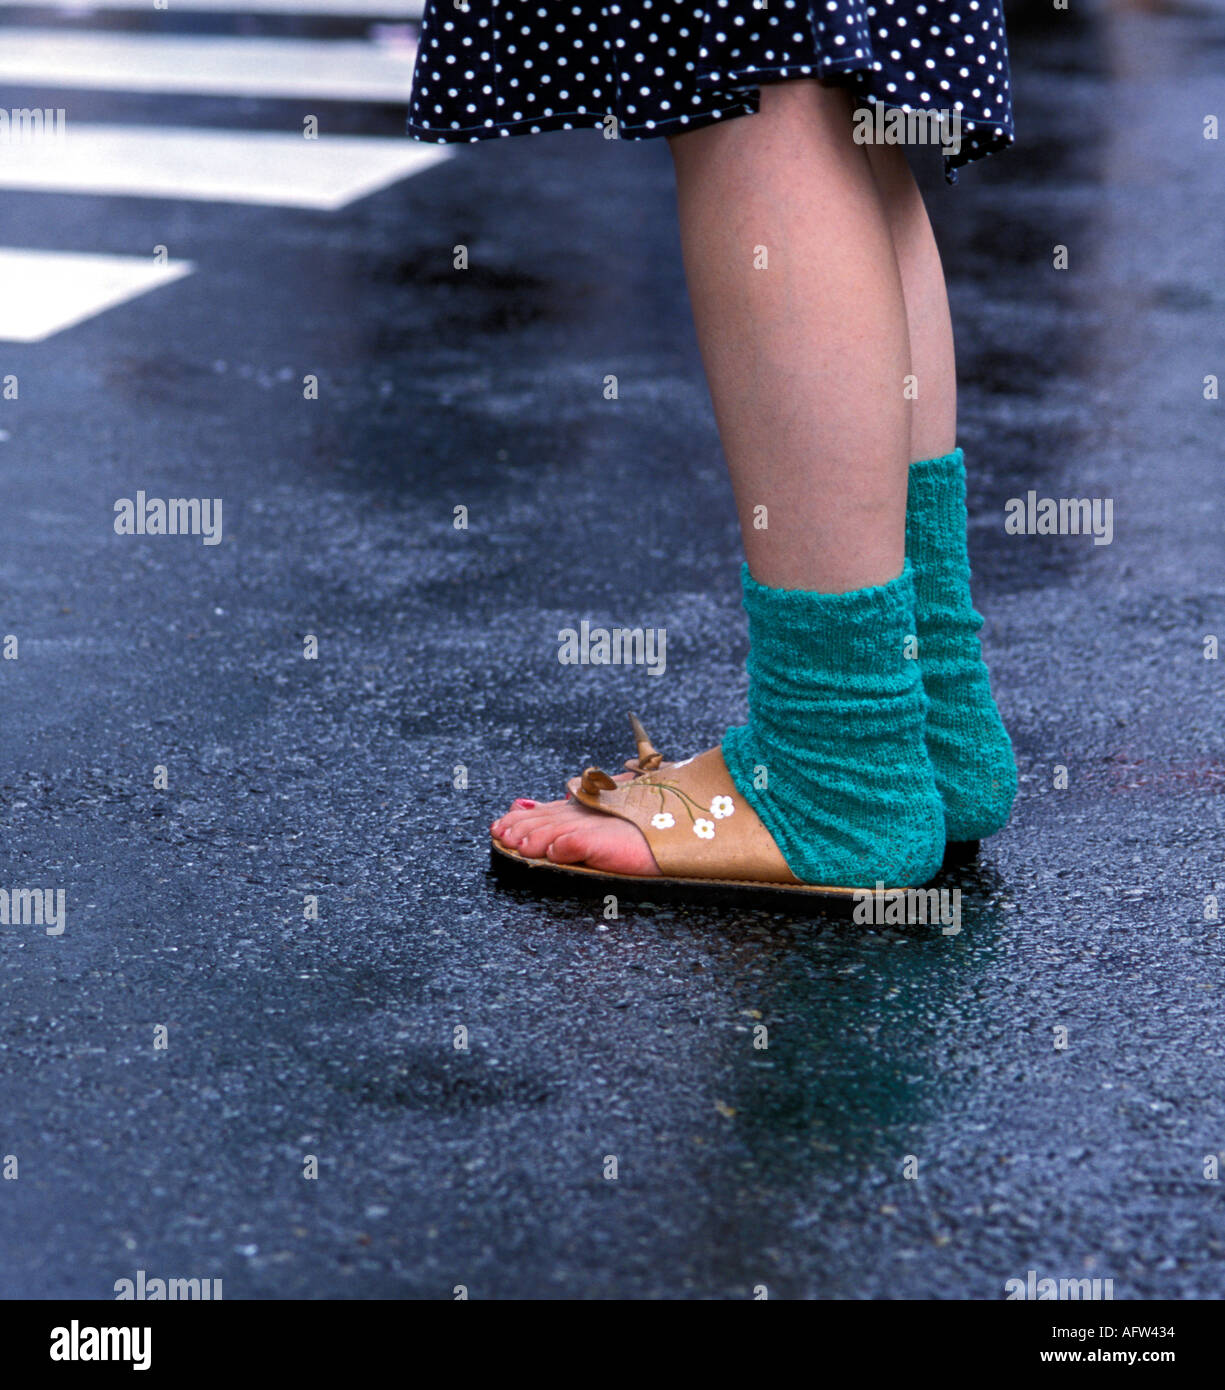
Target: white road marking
x=230, y=166
x=44, y=292
x=359, y=9
x=335, y=69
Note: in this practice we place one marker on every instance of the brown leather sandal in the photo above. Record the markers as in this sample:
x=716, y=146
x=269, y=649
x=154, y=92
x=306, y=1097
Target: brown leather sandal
x=709, y=844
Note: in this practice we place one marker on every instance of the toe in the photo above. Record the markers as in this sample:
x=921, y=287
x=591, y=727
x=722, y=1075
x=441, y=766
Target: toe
x=536, y=838
x=517, y=831
x=520, y=808
x=570, y=847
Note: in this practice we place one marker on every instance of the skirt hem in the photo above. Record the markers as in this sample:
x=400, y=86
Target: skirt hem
x=1001, y=136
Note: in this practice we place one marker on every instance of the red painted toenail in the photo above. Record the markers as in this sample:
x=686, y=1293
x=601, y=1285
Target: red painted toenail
x=525, y=803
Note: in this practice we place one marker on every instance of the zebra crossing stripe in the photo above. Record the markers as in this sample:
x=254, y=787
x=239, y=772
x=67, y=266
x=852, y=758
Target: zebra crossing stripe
x=323, y=69
x=44, y=292
x=355, y=9
x=231, y=166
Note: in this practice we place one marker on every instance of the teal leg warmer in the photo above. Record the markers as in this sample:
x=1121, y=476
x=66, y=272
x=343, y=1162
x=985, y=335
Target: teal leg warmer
x=966, y=739
x=832, y=758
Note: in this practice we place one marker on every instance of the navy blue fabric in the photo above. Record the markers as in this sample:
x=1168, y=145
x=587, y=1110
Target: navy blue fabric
x=511, y=67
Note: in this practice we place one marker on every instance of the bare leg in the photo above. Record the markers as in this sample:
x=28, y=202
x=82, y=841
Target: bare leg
x=970, y=750
x=933, y=415
x=806, y=361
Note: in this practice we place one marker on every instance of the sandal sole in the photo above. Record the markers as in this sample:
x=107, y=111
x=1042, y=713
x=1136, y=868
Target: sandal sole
x=575, y=880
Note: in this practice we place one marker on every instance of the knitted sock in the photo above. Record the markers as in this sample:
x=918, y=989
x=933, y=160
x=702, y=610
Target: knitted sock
x=832, y=758
x=966, y=739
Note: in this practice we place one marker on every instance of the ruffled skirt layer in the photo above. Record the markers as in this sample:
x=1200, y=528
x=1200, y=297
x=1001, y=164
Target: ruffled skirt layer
x=642, y=68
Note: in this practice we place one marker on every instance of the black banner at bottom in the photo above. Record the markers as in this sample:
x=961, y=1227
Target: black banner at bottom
x=311, y=1339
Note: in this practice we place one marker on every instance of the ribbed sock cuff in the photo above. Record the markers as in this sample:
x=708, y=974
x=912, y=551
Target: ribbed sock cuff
x=794, y=630
x=936, y=517
x=803, y=607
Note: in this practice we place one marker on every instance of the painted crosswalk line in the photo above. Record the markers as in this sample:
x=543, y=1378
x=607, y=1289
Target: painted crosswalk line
x=359, y=9
x=324, y=69
x=44, y=292
x=232, y=166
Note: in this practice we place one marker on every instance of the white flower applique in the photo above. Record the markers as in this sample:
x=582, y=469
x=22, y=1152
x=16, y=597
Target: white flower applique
x=720, y=808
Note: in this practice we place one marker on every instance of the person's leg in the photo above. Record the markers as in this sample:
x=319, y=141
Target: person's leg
x=801, y=320
x=969, y=747
x=933, y=412
x=799, y=309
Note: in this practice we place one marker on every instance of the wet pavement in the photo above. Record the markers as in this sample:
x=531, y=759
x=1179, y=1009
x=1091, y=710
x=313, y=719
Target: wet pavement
x=890, y=1050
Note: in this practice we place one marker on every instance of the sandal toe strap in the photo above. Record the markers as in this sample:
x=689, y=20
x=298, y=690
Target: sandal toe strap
x=693, y=817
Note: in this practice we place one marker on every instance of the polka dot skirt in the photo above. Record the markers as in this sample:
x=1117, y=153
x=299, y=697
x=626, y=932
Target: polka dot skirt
x=513, y=67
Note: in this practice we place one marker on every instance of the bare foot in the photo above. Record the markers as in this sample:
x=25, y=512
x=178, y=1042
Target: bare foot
x=565, y=832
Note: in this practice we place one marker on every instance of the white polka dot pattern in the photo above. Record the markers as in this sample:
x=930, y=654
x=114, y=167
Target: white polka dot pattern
x=510, y=67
